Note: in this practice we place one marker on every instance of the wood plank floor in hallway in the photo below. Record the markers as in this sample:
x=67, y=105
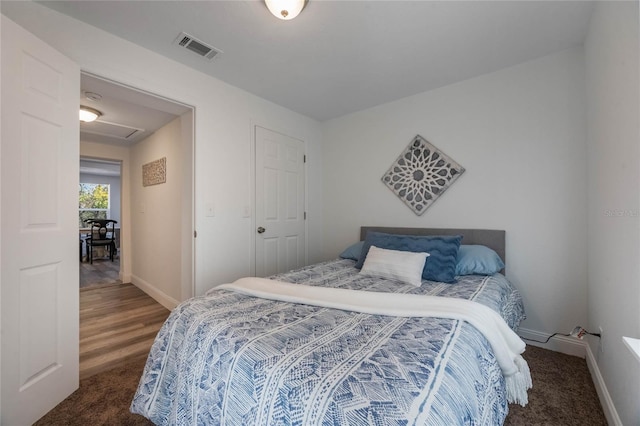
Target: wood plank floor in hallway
x=118, y=323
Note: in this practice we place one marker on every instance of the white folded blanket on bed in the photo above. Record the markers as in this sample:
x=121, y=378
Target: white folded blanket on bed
x=506, y=344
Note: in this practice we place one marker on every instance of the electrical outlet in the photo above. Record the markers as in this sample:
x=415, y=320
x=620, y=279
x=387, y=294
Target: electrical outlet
x=578, y=332
x=601, y=347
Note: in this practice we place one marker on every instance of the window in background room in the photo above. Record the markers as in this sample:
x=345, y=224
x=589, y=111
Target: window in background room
x=93, y=202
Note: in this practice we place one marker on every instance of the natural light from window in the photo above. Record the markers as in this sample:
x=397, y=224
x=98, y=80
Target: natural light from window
x=93, y=202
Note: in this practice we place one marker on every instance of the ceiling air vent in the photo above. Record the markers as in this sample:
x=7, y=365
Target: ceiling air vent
x=197, y=46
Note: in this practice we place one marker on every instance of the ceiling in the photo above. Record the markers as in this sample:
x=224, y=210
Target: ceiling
x=338, y=57
x=128, y=115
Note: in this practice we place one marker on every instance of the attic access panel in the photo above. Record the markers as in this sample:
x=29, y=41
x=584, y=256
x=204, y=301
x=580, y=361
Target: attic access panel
x=114, y=130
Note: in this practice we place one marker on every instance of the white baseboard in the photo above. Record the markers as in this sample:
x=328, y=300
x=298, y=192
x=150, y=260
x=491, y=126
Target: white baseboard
x=605, y=398
x=580, y=348
x=563, y=344
x=160, y=297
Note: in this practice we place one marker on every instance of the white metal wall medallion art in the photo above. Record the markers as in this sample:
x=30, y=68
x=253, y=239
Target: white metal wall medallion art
x=421, y=174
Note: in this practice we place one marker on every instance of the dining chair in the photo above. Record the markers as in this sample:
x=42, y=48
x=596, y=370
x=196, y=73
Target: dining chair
x=102, y=234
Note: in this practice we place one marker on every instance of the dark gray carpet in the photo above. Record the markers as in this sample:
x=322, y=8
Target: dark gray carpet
x=562, y=394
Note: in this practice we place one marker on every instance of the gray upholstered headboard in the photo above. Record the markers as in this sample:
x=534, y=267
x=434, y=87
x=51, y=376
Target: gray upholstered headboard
x=493, y=239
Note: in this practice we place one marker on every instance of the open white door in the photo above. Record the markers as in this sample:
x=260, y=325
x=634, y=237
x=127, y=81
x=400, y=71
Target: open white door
x=280, y=233
x=39, y=180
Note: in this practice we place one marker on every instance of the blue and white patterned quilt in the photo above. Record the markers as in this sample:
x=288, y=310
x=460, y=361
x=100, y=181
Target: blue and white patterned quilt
x=230, y=359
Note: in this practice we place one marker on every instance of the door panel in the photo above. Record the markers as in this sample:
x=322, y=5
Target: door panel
x=270, y=191
x=292, y=250
x=292, y=203
x=41, y=148
x=39, y=181
x=279, y=202
x=38, y=324
x=270, y=256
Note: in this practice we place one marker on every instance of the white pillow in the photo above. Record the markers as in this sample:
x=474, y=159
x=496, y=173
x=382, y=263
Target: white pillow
x=398, y=265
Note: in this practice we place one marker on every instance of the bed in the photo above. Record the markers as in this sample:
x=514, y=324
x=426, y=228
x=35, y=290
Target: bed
x=326, y=344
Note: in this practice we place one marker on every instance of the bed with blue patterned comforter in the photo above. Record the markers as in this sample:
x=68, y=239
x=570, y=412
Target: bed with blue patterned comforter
x=230, y=359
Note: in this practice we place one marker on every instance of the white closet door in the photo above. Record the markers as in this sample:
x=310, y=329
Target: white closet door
x=280, y=192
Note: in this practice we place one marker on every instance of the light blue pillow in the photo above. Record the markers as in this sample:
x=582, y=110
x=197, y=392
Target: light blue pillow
x=478, y=260
x=353, y=251
x=443, y=251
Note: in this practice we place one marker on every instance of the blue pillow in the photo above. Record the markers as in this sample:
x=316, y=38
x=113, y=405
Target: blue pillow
x=478, y=260
x=443, y=252
x=353, y=251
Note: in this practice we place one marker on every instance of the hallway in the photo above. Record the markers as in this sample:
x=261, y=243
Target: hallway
x=101, y=272
x=118, y=324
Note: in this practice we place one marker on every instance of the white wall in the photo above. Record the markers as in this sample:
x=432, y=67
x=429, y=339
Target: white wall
x=101, y=151
x=611, y=51
x=224, y=116
x=156, y=216
x=114, y=191
x=162, y=270
x=520, y=134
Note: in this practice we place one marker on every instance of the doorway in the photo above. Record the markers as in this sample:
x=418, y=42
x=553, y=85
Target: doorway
x=154, y=231
x=138, y=129
x=40, y=155
x=99, y=197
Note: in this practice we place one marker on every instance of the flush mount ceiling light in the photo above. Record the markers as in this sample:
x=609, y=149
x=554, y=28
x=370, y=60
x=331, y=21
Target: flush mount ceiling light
x=88, y=115
x=285, y=9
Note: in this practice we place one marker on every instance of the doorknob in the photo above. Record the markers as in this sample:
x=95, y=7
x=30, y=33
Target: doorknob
x=261, y=230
